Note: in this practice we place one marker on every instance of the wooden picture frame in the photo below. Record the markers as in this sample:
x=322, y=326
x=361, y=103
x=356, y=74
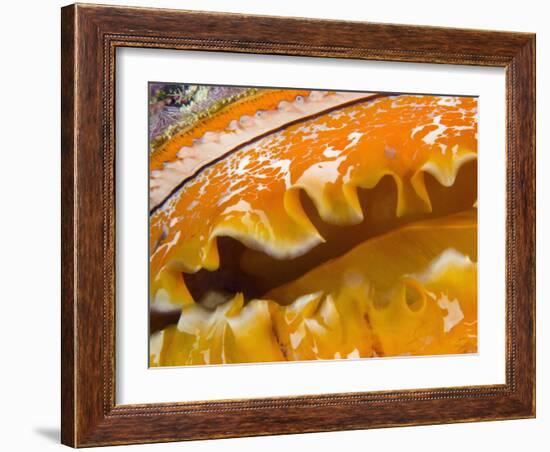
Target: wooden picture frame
x=90, y=36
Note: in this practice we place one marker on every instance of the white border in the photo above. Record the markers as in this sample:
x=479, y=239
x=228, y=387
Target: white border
x=135, y=383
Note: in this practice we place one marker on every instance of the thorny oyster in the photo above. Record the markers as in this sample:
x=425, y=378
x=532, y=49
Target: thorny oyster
x=299, y=225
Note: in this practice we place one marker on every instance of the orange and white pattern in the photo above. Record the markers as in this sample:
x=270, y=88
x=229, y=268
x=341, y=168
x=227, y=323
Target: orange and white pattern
x=297, y=225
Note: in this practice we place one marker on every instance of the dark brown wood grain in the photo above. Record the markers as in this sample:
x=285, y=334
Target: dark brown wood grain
x=67, y=226
x=90, y=36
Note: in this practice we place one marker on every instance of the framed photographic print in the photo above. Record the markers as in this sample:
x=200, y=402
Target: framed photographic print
x=334, y=219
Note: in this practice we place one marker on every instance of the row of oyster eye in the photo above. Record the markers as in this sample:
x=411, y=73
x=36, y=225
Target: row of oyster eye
x=245, y=120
